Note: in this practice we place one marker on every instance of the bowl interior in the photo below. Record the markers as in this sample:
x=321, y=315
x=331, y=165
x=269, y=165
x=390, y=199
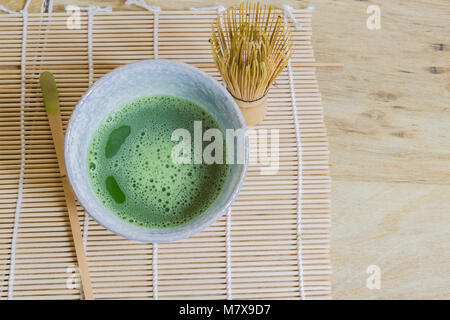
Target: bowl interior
x=139, y=79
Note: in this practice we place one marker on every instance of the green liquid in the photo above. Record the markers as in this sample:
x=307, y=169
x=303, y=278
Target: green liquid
x=131, y=169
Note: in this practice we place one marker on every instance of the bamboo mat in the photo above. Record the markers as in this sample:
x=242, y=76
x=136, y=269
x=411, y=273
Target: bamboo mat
x=264, y=255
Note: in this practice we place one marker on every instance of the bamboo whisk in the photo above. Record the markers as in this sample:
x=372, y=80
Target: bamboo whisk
x=251, y=45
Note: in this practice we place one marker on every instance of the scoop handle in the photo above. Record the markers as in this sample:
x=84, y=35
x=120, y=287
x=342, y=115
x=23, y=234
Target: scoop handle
x=51, y=102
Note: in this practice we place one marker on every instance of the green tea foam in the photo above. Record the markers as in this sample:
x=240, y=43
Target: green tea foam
x=131, y=169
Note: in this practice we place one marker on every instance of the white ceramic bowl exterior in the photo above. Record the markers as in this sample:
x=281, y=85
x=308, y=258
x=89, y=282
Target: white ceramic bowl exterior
x=126, y=83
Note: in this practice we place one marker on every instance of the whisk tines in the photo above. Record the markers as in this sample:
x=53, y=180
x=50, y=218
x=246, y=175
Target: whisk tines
x=251, y=45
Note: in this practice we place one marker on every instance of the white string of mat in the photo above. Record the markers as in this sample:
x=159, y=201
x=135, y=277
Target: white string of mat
x=24, y=12
x=2, y=8
x=287, y=12
x=155, y=11
x=47, y=6
x=91, y=10
x=220, y=9
x=228, y=254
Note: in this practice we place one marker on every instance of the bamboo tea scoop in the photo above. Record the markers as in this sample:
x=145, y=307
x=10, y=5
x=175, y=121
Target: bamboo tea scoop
x=51, y=102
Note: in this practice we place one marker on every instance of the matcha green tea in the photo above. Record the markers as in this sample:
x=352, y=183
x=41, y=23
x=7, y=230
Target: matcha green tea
x=131, y=168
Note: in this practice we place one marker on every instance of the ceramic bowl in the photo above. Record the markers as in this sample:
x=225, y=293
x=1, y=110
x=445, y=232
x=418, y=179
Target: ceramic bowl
x=135, y=80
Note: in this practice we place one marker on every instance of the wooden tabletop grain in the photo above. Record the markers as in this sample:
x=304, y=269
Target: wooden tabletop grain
x=387, y=112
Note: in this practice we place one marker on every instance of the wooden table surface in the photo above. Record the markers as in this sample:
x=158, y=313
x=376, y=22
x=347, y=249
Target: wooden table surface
x=387, y=112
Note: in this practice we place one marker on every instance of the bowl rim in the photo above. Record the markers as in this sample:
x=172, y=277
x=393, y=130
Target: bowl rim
x=155, y=238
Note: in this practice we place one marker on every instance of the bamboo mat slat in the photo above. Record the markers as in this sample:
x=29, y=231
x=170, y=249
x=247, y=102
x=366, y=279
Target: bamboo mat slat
x=263, y=243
